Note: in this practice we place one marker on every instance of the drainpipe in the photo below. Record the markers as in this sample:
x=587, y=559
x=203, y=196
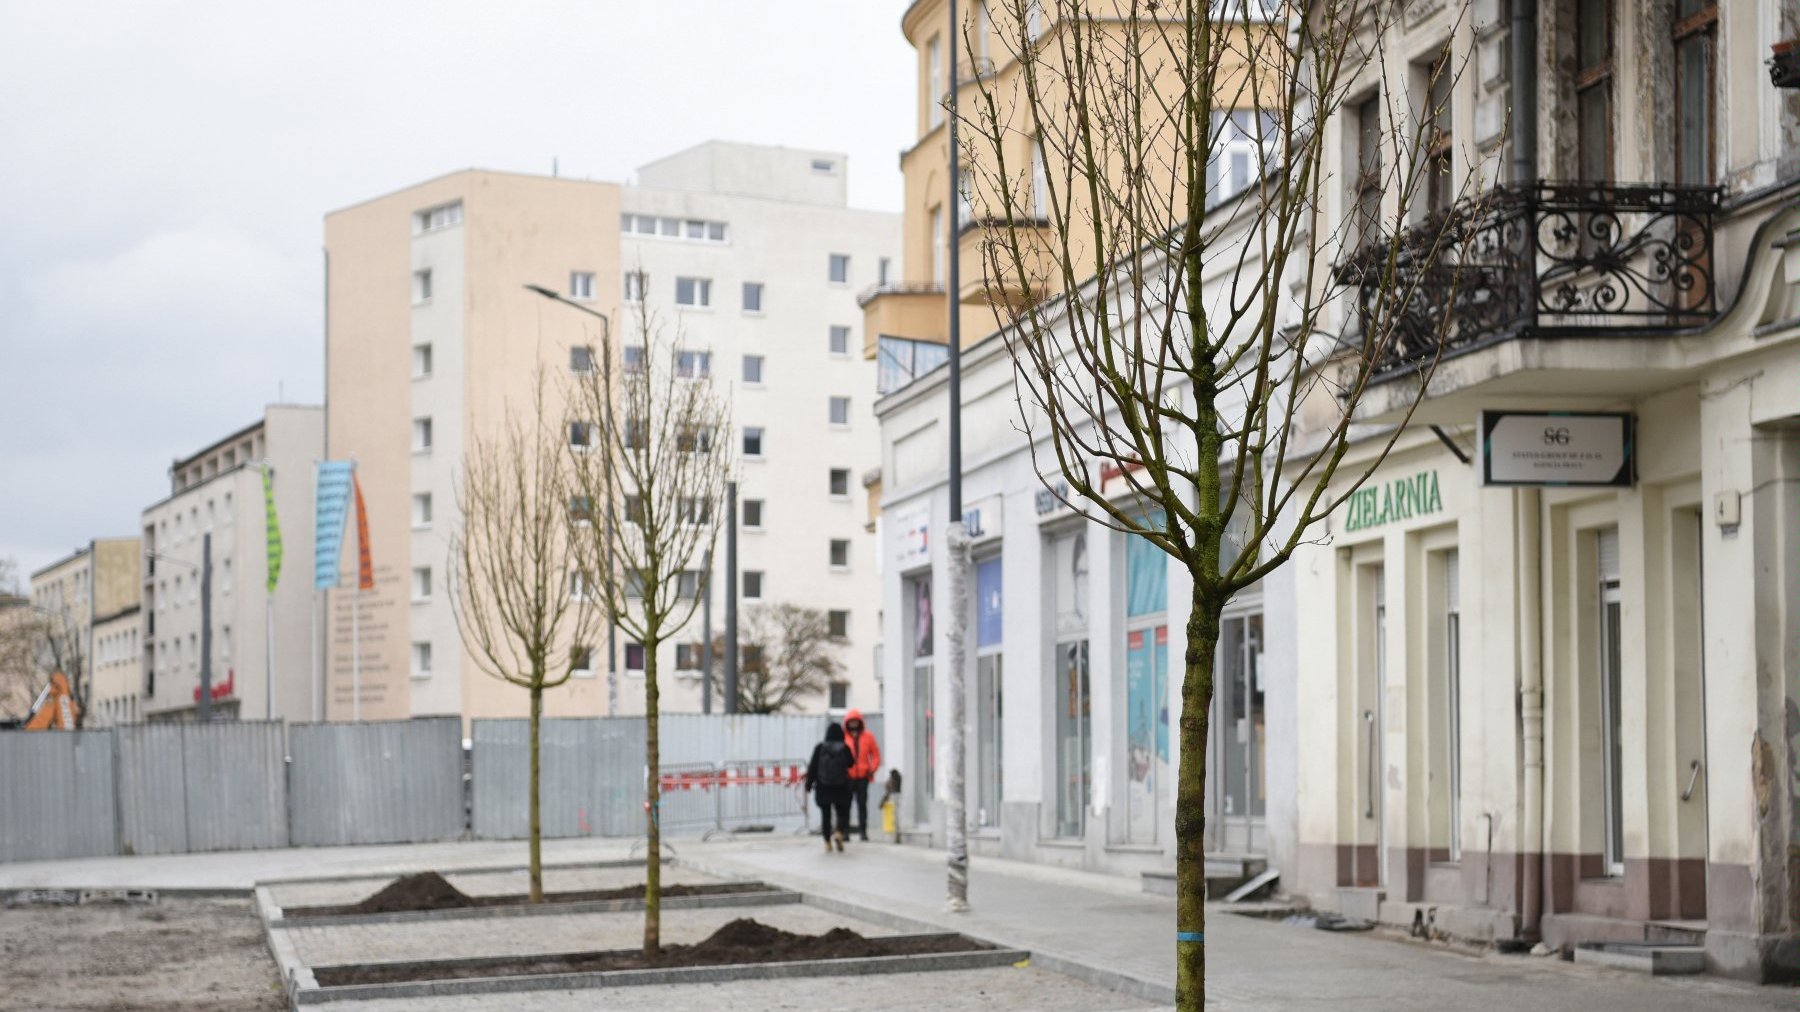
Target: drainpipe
x=1531, y=710
x=1524, y=91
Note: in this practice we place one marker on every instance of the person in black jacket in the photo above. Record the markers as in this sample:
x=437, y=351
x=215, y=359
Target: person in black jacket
x=828, y=777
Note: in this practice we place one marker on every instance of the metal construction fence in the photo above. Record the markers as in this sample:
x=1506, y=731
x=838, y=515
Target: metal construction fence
x=184, y=788
x=376, y=782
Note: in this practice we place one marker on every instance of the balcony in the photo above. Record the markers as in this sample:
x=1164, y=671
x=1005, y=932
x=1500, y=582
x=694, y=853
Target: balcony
x=1546, y=260
x=910, y=309
x=1006, y=287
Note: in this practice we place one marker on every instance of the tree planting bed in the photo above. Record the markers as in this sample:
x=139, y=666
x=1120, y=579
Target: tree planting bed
x=429, y=896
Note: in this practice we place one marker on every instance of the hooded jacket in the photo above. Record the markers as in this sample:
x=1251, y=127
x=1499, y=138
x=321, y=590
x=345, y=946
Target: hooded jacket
x=864, y=747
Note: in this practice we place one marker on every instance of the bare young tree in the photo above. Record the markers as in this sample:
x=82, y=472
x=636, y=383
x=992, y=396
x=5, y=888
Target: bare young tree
x=519, y=594
x=19, y=638
x=788, y=657
x=1188, y=368
x=659, y=461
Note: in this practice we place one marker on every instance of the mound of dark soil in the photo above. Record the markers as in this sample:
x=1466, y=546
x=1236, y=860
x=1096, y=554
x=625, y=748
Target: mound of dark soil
x=430, y=891
x=741, y=941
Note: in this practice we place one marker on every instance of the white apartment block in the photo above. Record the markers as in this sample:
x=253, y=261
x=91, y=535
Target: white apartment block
x=749, y=253
x=218, y=491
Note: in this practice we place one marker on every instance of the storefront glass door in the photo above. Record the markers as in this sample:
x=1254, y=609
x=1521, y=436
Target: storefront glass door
x=1238, y=734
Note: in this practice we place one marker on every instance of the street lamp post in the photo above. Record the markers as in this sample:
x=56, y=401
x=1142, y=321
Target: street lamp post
x=956, y=812
x=612, y=628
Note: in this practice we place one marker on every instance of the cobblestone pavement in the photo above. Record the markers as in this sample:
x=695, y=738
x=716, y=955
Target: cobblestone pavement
x=518, y=936
x=486, y=883
x=996, y=990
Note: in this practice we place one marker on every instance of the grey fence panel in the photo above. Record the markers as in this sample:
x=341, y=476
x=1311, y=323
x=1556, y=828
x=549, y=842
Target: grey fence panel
x=700, y=738
x=152, y=789
x=56, y=795
x=376, y=782
x=591, y=776
x=236, y=785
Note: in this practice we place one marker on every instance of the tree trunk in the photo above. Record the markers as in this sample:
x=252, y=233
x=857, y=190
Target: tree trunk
x=1190, y=811
x=537, y=824
x=652, y=807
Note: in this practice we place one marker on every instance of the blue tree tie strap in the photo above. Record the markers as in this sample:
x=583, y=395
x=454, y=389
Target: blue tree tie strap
x=1190, y=936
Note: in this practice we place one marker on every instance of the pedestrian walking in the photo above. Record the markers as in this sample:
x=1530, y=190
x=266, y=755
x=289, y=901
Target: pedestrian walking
x=867, y=753
x=828, y=777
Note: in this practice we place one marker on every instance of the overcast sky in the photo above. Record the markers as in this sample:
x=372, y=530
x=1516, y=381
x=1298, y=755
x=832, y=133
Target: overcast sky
x=165, y=168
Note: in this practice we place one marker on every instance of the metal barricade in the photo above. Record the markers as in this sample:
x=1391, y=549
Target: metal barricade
x=734, y=796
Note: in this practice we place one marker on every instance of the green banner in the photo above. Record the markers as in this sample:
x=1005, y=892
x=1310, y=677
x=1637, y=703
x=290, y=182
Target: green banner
x=273, y=528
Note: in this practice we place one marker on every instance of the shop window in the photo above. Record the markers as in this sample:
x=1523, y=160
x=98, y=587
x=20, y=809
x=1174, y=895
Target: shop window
x=924, y=737
x=1070, y=698
x=989, y=698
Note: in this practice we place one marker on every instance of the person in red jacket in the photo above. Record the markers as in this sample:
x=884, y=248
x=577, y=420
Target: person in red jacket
x=867, y=753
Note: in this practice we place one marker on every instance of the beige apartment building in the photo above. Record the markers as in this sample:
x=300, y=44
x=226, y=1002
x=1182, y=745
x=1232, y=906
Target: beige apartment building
x=94, y=587
x=217, y=493
x=750, y=252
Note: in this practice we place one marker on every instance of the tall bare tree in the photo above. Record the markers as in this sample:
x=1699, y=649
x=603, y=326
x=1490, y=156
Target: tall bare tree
x=789, y=657
x=660, y=459
x=519, y=593
x=1188, y=367
x=19, y=638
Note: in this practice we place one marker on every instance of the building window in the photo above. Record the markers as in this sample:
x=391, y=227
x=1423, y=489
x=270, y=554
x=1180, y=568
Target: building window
x=581, y=285
x=581, y=661
x=687, y=656
x=1593, y=90
x=989, y=786
x=421, y=435
x=421, y=287
x=421, y=583
x=581, y=358
x=1695, y=33
x=1241, y=140
x=937, y=245
x=634, y=657
x=695, y=292
x=753, y=513
x=840, y=695
x=634, y=509
x=753, y=370
x=1070, y=698
x=1034, y=19
x=581, y=510
x=1439, y=181
x=824, y=166
x=840, y=411
x=923, y=743
x=631, y=359
x=753, y=442
x=753, y=584
x=1611, y=656
x=840, y=269
x=693, y=364
x=934, y=81
x=421, y=510
x=696, y=510
x=687, y=584
x=840, y=553
x=581, y=434
x=693, y=439
x=838, y=623
x=840, y=481
x=753, y=293
x=581, y=587
x=1040, y=180
x=442, y=216
x=1450, y=569
x=421, y=361
x=883, y=268
x=634, y=286
x=1367, y=191
x=421, y=660
x=840, y=340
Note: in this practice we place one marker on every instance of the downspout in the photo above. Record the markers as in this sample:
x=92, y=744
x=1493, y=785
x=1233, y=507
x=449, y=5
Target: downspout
x=1531, y=711
x=1524, y=91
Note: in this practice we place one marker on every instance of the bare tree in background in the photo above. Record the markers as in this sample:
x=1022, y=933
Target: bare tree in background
x=515, y=582
x=660, y=458
x=789, y=657
x=1220, y=410
x=19, y=638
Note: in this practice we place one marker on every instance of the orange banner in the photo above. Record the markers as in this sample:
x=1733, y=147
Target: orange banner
x=365, y=570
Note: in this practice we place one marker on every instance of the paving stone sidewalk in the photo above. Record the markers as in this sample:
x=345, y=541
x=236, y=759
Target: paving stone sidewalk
x=1252, y=963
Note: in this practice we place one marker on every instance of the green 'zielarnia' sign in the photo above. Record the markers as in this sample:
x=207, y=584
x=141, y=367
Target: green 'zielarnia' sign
x=1398, y=499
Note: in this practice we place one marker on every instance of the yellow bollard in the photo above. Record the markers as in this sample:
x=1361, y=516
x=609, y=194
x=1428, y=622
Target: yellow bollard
x=887, y=818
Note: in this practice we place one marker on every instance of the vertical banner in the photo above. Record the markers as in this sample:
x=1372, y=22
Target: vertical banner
x=330, y=507
x=272, y=529
x=365, y=571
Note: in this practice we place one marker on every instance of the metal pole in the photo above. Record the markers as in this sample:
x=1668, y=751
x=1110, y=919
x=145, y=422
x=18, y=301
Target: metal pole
x=205, y=712
x=706, y=650
x=731, y=600
x=956, y=813
x=1524, y=91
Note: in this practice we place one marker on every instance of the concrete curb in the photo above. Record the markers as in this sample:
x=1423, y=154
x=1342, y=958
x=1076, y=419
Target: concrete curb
x=461, y=870
x=1068, y=966
x=771, y=897
x=980, y=959
x=295, y=976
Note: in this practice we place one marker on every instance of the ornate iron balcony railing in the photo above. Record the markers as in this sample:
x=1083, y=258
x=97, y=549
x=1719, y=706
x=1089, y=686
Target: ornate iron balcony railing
x=1552, y=259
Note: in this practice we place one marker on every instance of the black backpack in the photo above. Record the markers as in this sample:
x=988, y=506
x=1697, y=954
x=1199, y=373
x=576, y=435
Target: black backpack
x=834, y=764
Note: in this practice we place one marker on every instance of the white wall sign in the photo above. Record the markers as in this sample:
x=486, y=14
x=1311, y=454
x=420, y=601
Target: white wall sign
x=983, y=519
x=912, y=537
x=1557, y=448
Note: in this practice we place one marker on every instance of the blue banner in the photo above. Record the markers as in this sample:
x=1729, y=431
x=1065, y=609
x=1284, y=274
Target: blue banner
x=987, y=603
x=330, y=508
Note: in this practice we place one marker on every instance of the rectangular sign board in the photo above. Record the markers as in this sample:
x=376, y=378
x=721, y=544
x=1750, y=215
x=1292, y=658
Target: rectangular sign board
x=1558, y=448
